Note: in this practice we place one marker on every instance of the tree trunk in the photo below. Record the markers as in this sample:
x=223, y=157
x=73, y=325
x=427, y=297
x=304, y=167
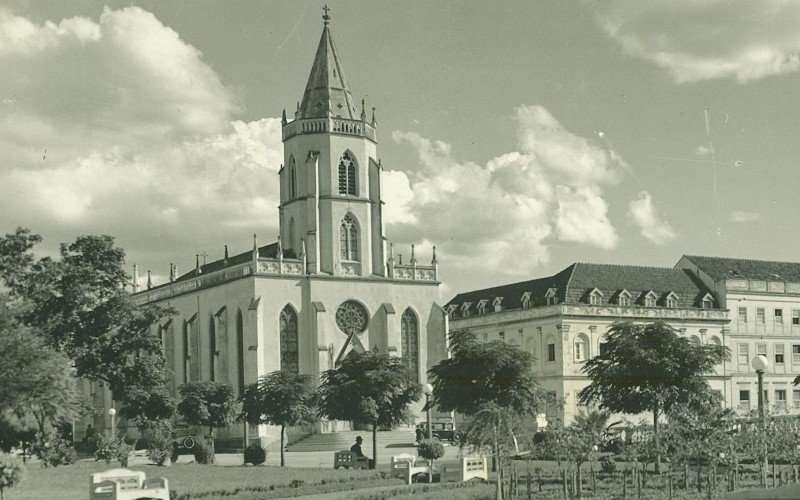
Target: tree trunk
x=579, y=485
x=374, y=445
x=655, y=438
x=213, y=449
x=283, y=447
x=495, y=451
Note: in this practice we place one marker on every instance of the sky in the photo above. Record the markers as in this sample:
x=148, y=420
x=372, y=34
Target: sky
x=518, y=137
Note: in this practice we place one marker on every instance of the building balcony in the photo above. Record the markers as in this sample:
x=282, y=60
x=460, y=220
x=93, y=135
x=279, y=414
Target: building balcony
x=333, y=125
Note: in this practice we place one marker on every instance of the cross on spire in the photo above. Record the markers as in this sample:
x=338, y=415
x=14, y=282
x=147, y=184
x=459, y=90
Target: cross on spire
x=325, y=17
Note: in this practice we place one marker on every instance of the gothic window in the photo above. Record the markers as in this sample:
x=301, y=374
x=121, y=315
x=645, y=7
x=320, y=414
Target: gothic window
x=291, y=234
x=289, y=350
x=292, y=179
x=212, y=348
x=347, y=174
x=240, y=351
x=409, y=339
x=348, y=235
x=352, y=318
x=581, y=347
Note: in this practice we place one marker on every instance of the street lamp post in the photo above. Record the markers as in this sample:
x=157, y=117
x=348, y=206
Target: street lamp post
x=428, y=390
x=113, y=414
x=760, y=364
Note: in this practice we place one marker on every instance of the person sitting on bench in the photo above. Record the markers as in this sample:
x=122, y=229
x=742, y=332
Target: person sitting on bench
x=356, y=448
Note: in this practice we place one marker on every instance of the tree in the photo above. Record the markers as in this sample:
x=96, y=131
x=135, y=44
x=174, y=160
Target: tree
x=79, y=305
x=369, y=388
x=11, y=472
x=36, y=387
x=280, y=398
x=490, y=382
x=209, y=404
x=649, y=368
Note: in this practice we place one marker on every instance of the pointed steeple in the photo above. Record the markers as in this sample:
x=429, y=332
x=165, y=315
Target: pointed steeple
x=327, y=92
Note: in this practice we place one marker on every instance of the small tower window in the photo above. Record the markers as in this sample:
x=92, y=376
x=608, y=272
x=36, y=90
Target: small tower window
x=348, y=235
x=347, y=174
x=292, y=179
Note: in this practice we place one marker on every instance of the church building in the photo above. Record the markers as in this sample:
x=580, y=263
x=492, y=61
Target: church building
x=328, y=286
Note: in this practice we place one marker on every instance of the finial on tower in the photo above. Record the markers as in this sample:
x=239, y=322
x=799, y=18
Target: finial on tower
x=434, y=261
x=171, y=272
x=283, y=118
x=135, y=281
x=149, y=280
x=373, y=118
x=197, y=268
x=325, y=17
x=225, y=259
x=363, y=111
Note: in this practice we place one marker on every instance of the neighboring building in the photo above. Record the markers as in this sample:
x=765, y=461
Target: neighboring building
x=562, y=319
x=327, y=286
x=763, y=300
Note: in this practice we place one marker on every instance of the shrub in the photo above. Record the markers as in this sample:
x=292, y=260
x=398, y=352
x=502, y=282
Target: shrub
x=173, y=455
x=430, y=449
x=255, y=454
x=109, y=449
x=11, y=471
x=160, y=448
x=608, y=465
x=203, y=452
x=54, y=451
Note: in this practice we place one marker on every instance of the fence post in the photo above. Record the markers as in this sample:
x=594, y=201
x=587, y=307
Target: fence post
x=539, y=479
x=564, y=482
x=669, y=480
x=528, y=481
x=624, y=484
x=594, y=482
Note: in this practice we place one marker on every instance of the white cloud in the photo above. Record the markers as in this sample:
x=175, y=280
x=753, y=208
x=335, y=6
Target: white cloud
x=651, y=226
x=117, y=126
x=704, y=40
x=702, y=150
x=740, y=216
x=499, y=219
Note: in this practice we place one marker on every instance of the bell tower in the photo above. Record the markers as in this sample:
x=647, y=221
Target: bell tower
x=330, y=187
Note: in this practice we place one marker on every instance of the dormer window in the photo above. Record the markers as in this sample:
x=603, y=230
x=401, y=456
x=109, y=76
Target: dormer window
x=550, y=296
x=526, y=300
x=624, y=298
x=595, y=297
x=497, y=303
x=707, y=302
x=482, y=306
x=465, y=309
x=671, y=300
x=650, y=299
x=451, y=310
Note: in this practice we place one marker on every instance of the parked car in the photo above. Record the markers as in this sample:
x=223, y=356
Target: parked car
x=445, y=431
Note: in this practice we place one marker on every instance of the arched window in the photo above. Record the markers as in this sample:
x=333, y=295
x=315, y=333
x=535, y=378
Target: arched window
x=409, y=340
x=292, y=179
x=289, y=351
x=212, y=348
x=347, y=174
x=581, y=347
x=240, y=350
x=291, y=233
x=348, y=235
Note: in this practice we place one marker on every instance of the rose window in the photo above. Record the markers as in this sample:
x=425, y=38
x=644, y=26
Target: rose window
x=352, y=318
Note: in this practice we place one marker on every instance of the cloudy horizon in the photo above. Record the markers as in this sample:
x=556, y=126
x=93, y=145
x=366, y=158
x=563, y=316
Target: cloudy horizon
x=517, y=140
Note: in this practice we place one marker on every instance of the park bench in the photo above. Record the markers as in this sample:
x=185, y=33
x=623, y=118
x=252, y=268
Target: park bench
x=467, y=468
x=126, y=484
x=405, y=467
x=349, y=460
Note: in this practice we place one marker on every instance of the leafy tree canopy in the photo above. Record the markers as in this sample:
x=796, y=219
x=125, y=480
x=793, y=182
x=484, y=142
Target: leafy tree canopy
x=280, y=398
x=78, y=303
x=643, y=367
x=368, y=388
x=485, y=373
x=206, y=403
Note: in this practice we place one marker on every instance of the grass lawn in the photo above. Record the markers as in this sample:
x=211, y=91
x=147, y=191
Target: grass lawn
x=198, y=481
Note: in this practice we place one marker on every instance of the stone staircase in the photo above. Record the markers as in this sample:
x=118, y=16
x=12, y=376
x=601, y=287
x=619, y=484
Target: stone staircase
x=401, y=438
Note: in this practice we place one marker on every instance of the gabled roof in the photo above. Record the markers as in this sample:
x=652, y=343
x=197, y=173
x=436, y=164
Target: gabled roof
x=721, y=268
x=327, y=88
x=574, y=284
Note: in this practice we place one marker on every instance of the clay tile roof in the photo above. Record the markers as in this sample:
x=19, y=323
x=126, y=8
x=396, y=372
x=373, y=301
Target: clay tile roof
x=574, y=283
x=720, y=268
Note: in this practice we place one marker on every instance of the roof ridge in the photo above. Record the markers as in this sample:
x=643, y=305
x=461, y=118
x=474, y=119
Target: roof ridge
x=624, y=265
x=742, y=259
